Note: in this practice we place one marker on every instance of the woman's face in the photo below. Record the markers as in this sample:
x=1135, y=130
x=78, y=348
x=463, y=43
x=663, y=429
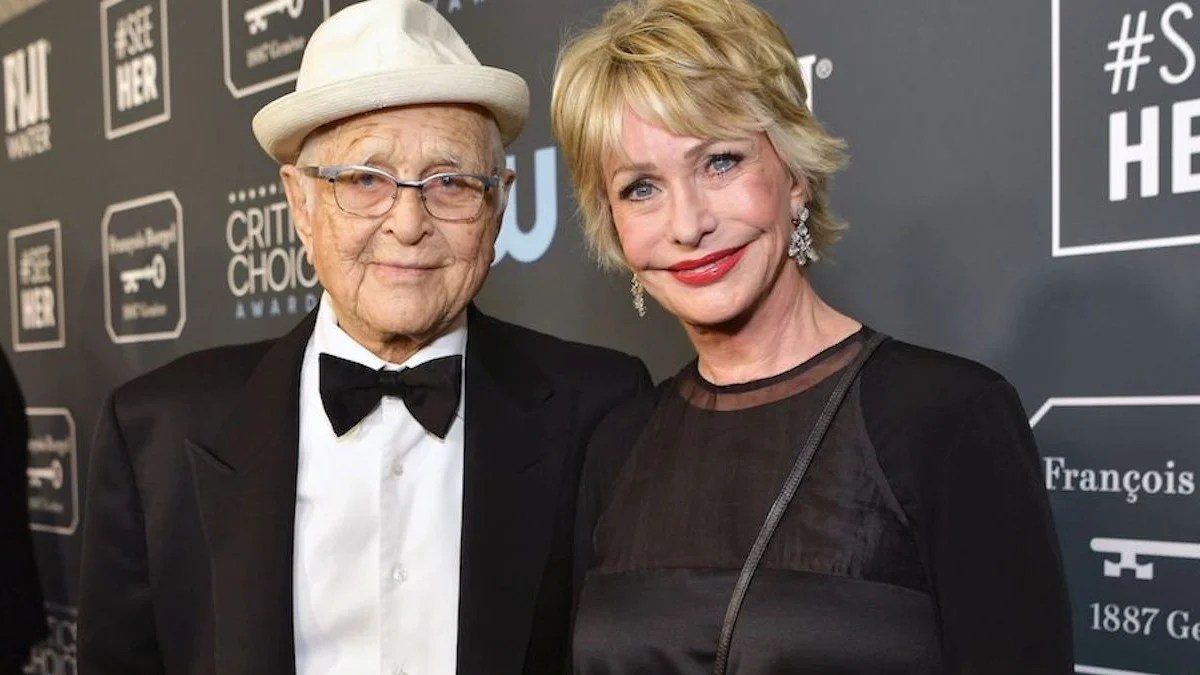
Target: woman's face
x=704, y=223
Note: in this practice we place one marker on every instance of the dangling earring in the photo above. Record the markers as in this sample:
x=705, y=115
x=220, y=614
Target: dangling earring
x=639, y=296
x=801, y=248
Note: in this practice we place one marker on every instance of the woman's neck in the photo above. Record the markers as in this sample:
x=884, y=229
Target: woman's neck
x=791, y=325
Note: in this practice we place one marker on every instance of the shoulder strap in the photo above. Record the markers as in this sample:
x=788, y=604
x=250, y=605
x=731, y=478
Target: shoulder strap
x=785, y=497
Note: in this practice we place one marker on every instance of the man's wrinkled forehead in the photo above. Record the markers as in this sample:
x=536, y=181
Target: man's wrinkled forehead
x=461, y=136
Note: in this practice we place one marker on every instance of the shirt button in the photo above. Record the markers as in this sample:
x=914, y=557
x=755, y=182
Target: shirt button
x=397, y=469
x=399, y=574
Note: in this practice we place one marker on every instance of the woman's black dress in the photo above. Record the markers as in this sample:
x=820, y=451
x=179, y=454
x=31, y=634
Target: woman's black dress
x=921, y=540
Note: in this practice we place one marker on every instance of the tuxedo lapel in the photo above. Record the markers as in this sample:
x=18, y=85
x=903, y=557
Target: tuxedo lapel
x=245, y=483
x=517, y=431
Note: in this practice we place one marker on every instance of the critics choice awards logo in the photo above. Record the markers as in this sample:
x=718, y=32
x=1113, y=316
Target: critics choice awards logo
x=264, y=41
x=144, y=291
x=27, y=100
x=137, y=80
x=36, y=286
x=52, y=471
x=1126, y=126
x=268, y=273
x=1121, y=475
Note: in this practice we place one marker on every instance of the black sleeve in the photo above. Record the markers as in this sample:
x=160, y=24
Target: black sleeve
x=991, y=547
x=22, y=615
x=607, y=450
x=617, y=381
x=116, y=632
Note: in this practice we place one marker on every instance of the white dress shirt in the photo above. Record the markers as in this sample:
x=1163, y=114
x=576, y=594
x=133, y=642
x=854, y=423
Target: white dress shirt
x=378, y=526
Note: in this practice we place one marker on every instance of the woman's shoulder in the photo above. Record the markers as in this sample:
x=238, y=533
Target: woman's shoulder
x=906, y=363
x=908, y=376
x=925, y=410
x=915, y=400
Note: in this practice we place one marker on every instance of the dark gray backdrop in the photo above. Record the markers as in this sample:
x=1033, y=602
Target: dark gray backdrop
x=136, y=204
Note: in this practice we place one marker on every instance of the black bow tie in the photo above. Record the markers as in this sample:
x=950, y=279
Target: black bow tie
x=350, y=391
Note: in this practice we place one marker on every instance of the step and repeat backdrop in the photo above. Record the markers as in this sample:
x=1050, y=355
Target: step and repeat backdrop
x=1024, y=190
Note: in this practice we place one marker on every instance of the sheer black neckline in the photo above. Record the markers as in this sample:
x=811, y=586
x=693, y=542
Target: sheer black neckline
x=693, y=368
x=700, y=393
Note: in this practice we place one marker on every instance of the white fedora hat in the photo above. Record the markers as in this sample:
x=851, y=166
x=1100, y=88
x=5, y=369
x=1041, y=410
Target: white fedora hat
x=382, y=53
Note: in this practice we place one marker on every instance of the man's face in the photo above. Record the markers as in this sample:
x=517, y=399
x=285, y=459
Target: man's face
x=403, y=276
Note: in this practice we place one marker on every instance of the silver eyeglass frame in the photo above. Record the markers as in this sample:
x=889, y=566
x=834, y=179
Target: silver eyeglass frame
x=330, y=173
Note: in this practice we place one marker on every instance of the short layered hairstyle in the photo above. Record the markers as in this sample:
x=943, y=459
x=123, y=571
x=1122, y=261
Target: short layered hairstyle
x=700, y=68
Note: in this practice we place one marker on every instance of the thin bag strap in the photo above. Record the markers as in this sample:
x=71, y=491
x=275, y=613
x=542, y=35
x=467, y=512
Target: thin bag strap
x=785, y=497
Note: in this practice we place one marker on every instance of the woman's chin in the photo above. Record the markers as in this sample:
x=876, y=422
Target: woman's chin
x=723, y=317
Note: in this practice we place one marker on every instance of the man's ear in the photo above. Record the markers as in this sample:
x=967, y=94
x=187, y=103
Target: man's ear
x=507, y=178
x=298, y=204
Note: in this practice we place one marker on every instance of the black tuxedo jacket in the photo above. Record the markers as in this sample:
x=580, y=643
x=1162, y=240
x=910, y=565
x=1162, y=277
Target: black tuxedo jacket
x=188, y=528
x=22, y=616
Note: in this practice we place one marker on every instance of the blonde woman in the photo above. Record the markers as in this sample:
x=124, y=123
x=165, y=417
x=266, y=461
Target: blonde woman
x=917, y=537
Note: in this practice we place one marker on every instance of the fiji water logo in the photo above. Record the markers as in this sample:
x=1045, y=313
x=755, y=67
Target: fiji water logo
x=27, y=100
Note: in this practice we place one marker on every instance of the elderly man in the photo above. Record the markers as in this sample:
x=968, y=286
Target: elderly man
x=328, y=502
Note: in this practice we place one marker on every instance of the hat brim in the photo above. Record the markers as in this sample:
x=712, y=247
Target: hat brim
x=282, y=125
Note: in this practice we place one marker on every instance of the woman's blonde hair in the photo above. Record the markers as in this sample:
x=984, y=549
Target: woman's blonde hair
x=701, y=68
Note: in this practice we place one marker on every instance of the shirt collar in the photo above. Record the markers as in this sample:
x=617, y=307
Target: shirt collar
x=329, y=338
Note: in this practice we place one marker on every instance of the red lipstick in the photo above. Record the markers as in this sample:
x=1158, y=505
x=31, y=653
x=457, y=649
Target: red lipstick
x=708, y=269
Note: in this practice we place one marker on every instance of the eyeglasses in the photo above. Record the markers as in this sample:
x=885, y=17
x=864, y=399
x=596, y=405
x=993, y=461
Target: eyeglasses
x=369, y=192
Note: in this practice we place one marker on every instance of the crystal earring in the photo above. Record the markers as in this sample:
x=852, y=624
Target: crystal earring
x=801, y=248
x=639, y=296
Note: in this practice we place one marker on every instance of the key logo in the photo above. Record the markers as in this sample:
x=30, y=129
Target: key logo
x=264, y=41
x=1120, y=472
x=53, y=471
x=144, y=290
x=1130, y=554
